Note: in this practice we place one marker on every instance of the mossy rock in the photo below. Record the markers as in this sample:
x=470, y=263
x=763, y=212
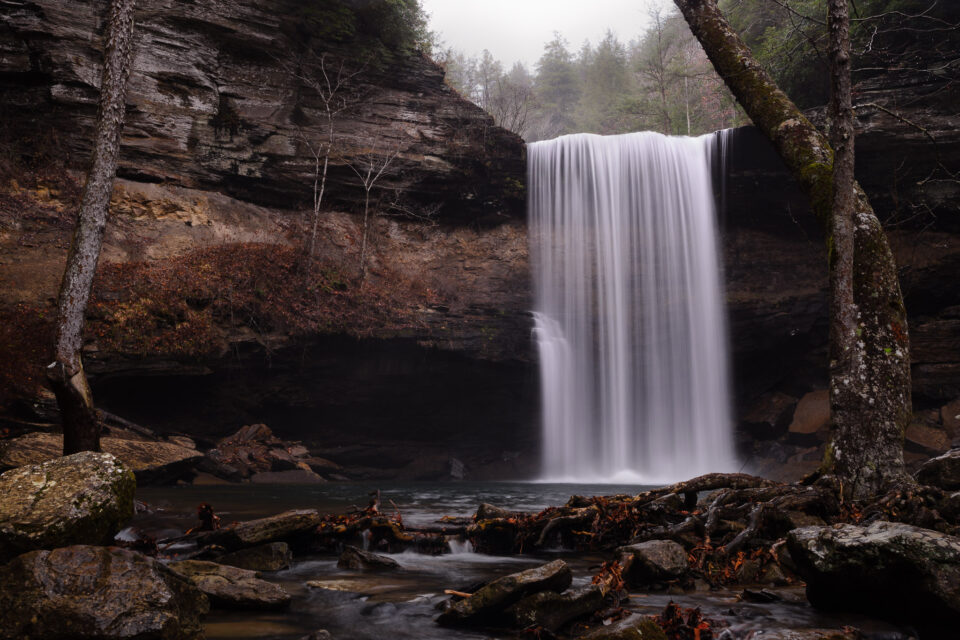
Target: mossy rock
x=91, y=592
x=488, y=603
x=85, y=498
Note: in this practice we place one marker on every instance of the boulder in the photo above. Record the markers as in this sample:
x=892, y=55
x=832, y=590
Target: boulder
x=354, y=558
x=925, y=438
x=653, y=561
x=96, y=592
x=85, y=498
x=322, y=465
x=950, y=416
x=943, y=471
x=770, y=417
x=265, y=557
x=231, y=587
x=887, y=569
x=291, y=476
x=289, y=526
x=497, y=536
x=552, y=610
x=488, y=603
x=490, y=512
x=151, y=462
x=811, y=419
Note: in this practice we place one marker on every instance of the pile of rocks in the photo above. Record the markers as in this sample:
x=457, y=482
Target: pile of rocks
x=255, y=454
x=59, y=580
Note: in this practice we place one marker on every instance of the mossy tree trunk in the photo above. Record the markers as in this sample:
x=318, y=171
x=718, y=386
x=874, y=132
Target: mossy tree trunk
x=81, y=427
x=870, y=375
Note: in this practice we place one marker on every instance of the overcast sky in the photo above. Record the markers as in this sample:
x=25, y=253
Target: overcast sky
x=516, y=30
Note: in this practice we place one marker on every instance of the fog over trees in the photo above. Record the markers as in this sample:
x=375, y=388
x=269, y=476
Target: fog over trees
x=660, y=80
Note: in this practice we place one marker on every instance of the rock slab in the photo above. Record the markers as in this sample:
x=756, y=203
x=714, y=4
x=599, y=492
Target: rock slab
x=96, y=592
x=85, y=498
x=265, y=557
x=284, y=527
x=493, y=598
x=354, y=558
x=889, y=570
x=942, y=471
x=232, y=588
x=552, y=610
x=151, y=462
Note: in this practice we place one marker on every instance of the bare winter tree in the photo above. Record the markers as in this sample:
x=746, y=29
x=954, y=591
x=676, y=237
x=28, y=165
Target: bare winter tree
x=370, y=165
x=513, y=100
x=81, y=427
x=333, y=84
x=654, y=67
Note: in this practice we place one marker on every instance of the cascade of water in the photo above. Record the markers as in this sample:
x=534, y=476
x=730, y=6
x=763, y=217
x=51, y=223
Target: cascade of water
x=629, y=317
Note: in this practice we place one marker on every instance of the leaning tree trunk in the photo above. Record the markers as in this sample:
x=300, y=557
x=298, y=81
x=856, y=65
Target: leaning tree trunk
x=869, y=388
x=81, y=428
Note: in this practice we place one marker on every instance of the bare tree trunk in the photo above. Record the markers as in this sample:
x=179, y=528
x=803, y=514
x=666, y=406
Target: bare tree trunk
x=81, y=429
x=873, y=406
x=363, y=244
x=846, y=351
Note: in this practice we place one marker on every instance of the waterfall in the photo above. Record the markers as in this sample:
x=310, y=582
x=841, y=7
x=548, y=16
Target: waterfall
x=629, y=319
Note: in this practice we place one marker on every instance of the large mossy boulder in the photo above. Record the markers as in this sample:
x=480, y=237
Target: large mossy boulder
x=487, y=605
x=888, y=569
x=85, y=498
x=151, y=462
x=96, y=592
x=231, y=587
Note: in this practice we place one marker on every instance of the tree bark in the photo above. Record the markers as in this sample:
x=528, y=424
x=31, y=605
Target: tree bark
x=81, y=428
x=870, y=400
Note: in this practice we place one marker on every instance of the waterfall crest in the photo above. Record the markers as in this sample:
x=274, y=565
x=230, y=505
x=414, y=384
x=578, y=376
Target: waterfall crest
x=629, y=319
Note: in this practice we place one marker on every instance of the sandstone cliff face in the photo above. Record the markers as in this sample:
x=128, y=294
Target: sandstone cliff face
x=215, y=102
x=212, y=158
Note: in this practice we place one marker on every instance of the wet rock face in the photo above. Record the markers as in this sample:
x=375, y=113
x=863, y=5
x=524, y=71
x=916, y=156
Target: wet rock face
x=273, y=556
x=151, y=462
x=85, y=498
x=552, y=610
x=942, y=471
x=215, y=102
x=890, y=570
x=96, y=592
x=488, y=603
x=653, y=561
x=288, y=526
x=231, y=587
x=354, y=558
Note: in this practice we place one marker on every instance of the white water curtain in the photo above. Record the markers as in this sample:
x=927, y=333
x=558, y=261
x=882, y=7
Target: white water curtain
x=630, y=319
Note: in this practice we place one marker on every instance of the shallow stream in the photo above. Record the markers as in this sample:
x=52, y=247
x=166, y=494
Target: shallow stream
x=401, y=604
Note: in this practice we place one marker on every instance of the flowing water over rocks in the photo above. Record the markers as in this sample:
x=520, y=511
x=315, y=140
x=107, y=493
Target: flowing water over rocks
x=371, y=605
x=630, y=321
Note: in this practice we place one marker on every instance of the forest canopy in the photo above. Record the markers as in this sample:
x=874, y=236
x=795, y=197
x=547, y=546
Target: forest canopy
x=661, y=79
